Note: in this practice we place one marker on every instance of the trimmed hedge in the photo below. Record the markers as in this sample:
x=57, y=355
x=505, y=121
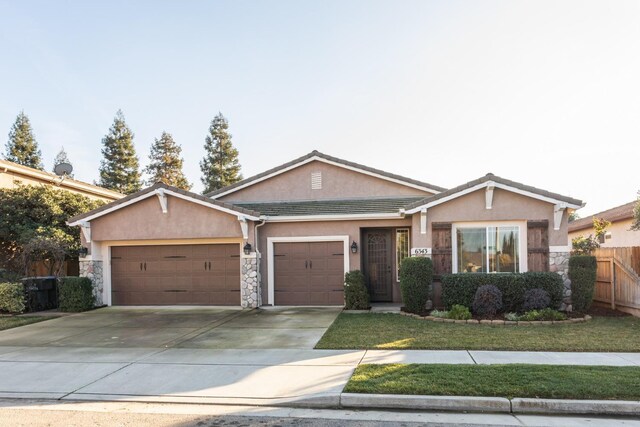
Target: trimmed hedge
x=75, y=294
x=487, y=301
x=416, y=277
x=356, y=294
x=461, y=288
x=582, y=272
x=12, y=297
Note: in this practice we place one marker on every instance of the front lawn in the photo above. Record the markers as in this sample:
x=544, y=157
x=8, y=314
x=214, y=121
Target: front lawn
x=541, y=381
x=8, y=322
x=391, y=331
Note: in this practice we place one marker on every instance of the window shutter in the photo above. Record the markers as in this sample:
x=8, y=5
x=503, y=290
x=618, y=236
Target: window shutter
x=538, y=245
x=441, y=247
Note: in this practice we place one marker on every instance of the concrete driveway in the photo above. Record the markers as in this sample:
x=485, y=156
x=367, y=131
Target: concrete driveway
x=176, y=354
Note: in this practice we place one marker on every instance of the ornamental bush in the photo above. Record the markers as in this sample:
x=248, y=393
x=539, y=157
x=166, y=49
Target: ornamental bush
x=582, y=272
x=75, y=294
x=535, y=299
x=461, y=288
x=416, y=276
x=459, y=312
x=356, y=295
x=12, y=297
x=487, y=301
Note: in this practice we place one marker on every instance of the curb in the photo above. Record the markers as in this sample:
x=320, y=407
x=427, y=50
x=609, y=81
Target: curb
x=490, y=404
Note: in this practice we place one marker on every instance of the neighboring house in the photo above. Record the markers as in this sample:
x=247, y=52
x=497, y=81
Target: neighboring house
x=14, y=174
x=618, y=235
x=288, y=235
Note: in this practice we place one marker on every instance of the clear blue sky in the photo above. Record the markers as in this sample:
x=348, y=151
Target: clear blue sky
x=543, y=92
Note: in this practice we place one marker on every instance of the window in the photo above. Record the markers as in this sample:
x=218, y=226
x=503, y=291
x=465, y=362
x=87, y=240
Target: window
x=402, y=248
x=492, y=249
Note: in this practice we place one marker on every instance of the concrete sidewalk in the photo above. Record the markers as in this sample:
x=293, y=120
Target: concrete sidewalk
x=292, y=377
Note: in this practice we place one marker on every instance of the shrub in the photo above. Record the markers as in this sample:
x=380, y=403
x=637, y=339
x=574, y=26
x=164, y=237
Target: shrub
x=12, y=297
x=487, y=301
x=544, y=314
x=416, y=275
x=440, y=313
x=512, y=317
x=461, y=288
x=535, y=299
x=459, y=312
x=582, y=272
x=356, y=295
x=75, y=294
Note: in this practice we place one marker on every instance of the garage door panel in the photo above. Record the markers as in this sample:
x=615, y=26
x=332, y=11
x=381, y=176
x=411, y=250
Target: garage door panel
x=309, y=273
x=176, y=274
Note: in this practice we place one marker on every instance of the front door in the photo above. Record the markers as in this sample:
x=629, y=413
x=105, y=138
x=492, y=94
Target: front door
x=377, y=259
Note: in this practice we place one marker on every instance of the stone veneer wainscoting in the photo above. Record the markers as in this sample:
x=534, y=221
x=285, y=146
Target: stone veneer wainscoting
x=559, y=263
x=250, y=283
x=93, y=270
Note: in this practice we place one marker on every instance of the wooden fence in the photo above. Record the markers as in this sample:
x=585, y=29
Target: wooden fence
x=617, y=280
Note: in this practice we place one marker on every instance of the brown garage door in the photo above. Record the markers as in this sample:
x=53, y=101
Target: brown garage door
x=176, y=274
x=309, y=273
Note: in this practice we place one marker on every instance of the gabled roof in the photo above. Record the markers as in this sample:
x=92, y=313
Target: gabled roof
x=160, y=188
x=332, y=207
x=318, y=156
x=58, y=181
x=619, y=213
x=498, y=182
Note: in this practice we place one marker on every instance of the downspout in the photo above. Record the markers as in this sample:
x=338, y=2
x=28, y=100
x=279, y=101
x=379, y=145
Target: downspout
x=258, y=254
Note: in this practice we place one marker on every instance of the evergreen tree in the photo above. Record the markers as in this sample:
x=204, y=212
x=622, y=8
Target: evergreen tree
x=119, y=168
x=22, y=147
x=220, y=165
x=166, y=163
x=61, y=157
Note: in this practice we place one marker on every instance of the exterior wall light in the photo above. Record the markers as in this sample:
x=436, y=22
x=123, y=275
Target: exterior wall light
x=354, y=247
x=247, y=248
x=83, y=252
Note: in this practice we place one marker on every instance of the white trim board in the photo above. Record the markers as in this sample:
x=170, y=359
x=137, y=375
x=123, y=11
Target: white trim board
x=166, y=192
x=497, y=185
x=344, y=217
x=270, y=258
x=323, y=160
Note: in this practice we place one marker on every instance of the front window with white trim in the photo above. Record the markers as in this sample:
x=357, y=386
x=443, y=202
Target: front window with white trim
x=491, y=248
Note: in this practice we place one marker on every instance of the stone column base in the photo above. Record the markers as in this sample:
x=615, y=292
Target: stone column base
x=250, y=283
x=93, y=270
x=559, y=263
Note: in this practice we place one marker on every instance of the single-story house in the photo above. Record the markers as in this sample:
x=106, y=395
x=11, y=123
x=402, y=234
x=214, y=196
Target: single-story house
x=287, y=236
x=618, y=235
x=13, y=175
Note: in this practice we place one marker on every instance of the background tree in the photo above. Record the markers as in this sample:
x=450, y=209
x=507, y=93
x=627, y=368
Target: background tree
x=166, y=163
x=220, y=166
x=119, y=168
x=29, y=213
x=22, y=147
x=61, y=157
x=635, y=225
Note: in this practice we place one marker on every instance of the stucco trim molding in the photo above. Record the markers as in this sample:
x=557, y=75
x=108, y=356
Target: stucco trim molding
x=270, y=258
x=345, y=217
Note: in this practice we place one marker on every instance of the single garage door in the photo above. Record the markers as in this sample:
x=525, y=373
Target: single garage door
x=309, y=273
x=176, y=274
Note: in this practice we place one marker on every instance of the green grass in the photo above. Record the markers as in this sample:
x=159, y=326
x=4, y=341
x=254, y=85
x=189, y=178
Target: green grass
x=8, y=322
x=541, y=381
x=390, y=331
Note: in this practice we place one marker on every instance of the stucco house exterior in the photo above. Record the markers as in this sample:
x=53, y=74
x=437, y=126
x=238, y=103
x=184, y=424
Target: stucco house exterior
x=618, y=235
x=13, y=174
x=287, y=236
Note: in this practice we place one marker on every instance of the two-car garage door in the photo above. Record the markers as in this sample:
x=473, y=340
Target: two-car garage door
x=309, y=273
x=176, y=274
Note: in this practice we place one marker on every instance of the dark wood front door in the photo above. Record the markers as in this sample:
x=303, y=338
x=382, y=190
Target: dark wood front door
x=377, y=263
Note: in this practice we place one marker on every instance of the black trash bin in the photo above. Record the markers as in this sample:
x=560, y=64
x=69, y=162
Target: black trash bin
x=41, y=293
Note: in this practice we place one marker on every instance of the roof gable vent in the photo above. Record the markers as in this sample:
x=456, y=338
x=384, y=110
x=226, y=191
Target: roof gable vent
x=316, y=180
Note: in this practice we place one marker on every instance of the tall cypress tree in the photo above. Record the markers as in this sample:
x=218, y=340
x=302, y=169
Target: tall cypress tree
x=220, y=166
x=61, y=157
x=22, y=147
x=119, y=168
x=166, y=163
